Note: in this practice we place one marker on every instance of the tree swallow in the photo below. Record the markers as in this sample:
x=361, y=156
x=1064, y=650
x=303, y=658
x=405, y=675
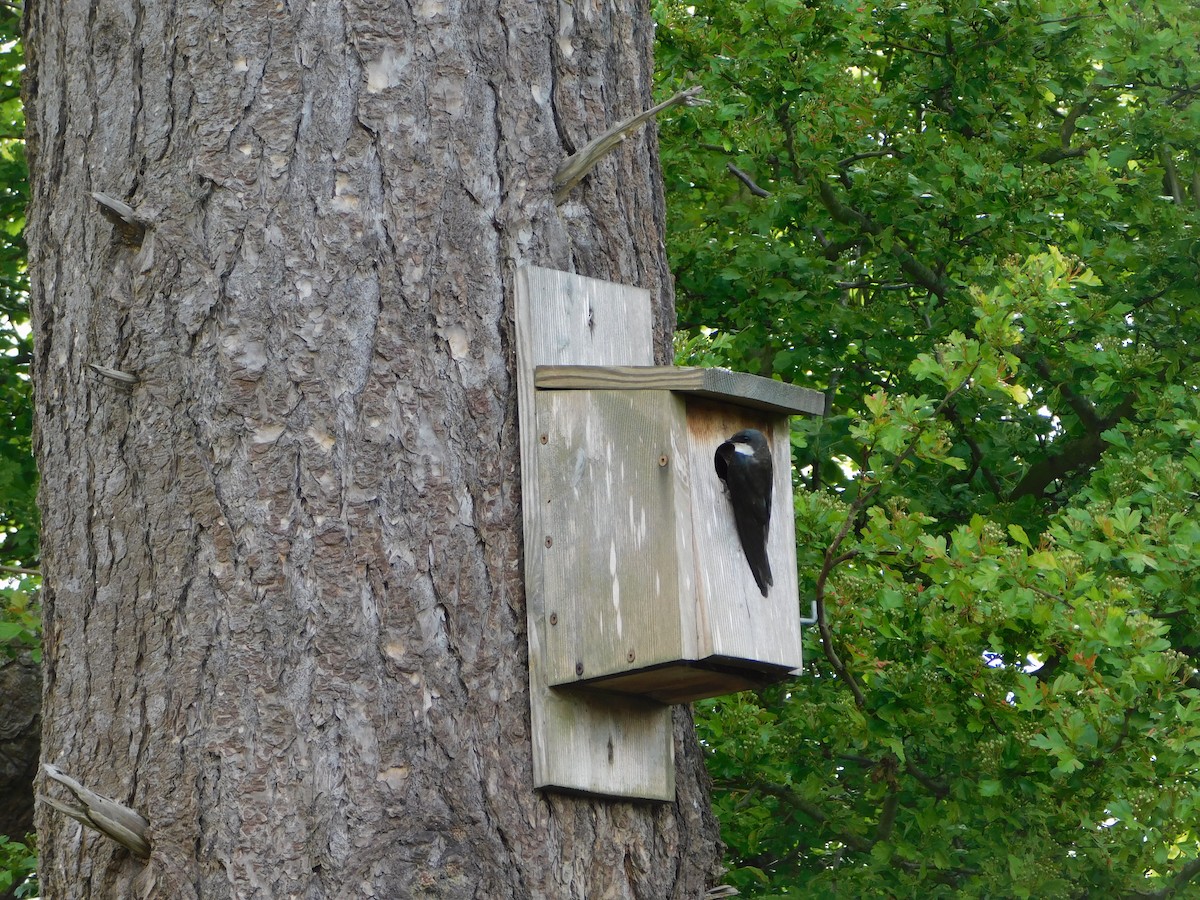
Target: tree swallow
x=744, y=463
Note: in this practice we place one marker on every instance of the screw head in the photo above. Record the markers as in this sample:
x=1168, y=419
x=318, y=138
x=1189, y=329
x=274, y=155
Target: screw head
x=663, y=460
x=545, y=438
x=631, y=656
x=549, y=542
x=578, y=668
x=553, y=618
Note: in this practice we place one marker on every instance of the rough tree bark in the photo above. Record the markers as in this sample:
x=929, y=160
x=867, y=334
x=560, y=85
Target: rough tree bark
x=283, y=587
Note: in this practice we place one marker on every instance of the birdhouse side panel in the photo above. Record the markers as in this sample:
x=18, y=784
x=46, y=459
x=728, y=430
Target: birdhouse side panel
x=734, y=620
x=613, y=497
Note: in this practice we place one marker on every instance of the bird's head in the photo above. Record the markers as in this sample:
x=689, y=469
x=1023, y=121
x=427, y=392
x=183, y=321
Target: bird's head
x=747, y=442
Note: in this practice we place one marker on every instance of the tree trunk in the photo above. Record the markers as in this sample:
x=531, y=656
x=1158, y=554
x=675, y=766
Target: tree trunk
x=283, y=586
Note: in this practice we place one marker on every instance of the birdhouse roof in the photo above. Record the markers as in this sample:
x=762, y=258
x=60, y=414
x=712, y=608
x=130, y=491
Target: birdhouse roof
x=738, y=388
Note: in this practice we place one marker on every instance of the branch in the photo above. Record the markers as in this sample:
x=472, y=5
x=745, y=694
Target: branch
x=572, y=169
x=874, y=285
x=19, y=570
x=1171, y=175
x=976, y=452
x=887, y=817
x=855, y=842
x=829, y=249
x=822, y=620
x=870, y=154
x=1085, y=451
x=1180, y=881
x=1067, y=131
x=747, y=181
x=784, y=118
x=130, y=223
x=115, y=375
x=1057, y=154
x=1082, y=453
x=848, y=215
x=918, y=50
x=1081, y=406
x=931, y=784
x=127, y=827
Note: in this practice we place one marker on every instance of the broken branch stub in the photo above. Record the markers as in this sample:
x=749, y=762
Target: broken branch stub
x=578, y=164
x=126, y=826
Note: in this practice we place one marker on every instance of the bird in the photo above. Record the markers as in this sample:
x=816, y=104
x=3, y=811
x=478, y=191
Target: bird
x=744, y=463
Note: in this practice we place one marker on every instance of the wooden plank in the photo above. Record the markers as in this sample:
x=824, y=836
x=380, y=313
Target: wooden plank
x=739, y=388
x=685, y=683
x=620, y=747
x=735, y=620
x=615, y=511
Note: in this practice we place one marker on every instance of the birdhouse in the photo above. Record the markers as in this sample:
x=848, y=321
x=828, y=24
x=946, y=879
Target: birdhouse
x=648, y=584
x=660, y=544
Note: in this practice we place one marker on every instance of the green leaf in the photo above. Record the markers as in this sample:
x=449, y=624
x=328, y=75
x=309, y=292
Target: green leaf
x=1044, y=559
x=1018, y=534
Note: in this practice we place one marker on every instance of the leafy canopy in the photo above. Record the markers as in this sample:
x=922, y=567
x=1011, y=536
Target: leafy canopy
x=20, y=626
x=18, y=477
x=974, y=227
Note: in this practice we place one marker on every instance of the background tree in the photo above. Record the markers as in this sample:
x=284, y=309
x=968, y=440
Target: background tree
x=281, y=556
x=974, y=227
x=20, y=678
x=18, y=478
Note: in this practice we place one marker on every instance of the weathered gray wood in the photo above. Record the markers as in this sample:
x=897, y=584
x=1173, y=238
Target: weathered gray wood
x=616, y=521
x=126, y=826
x=684, y=682
x=597, y=744
x=737, y=620
x=647, y=587
x=639, y=584
x=578, y=164
x=719, y=384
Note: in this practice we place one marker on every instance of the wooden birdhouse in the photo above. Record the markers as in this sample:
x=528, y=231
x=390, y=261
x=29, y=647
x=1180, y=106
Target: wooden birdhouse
x=640, y=591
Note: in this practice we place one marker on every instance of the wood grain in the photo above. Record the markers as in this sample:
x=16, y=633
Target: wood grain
x=737, y=621
x=739, y=388
x=581, y=742
x=690, y=622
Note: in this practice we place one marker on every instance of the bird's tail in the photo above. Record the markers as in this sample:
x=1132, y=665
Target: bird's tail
x=754, y=545
x=762, y=574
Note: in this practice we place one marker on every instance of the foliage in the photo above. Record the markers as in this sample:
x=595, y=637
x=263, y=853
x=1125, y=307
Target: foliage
x=18, y=867
x=20, y=615
x=18, y=477
x=973, y=226
x=20, y=618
